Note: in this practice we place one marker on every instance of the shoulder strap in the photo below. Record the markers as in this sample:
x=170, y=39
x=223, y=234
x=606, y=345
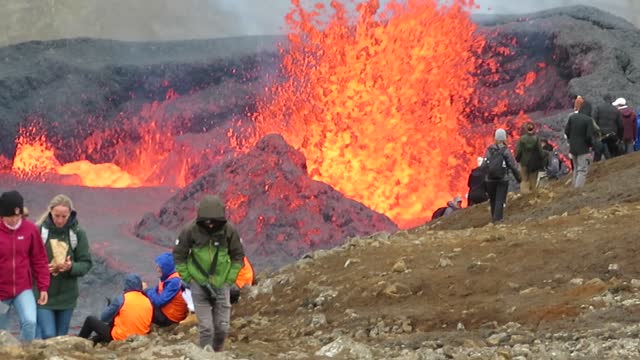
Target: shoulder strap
x=73, y=239
x=44, y=234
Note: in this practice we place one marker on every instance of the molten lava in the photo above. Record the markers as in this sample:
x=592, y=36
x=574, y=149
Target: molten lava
x=35, y=159
x=378, y=103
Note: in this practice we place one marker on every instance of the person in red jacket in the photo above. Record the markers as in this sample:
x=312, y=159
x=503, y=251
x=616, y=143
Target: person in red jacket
x=629, y=122
x=22, y=258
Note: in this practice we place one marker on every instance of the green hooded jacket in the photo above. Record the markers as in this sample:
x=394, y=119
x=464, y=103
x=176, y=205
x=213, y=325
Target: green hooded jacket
x=63, y=290
x=195, y=243
x=526, y=146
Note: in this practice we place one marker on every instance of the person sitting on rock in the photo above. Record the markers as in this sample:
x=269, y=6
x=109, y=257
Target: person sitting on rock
x=453, y=205
x=129, y=314
x=169, y=307
x=477, y=189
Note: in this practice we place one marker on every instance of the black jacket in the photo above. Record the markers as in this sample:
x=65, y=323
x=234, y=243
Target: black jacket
x=608, y=119
x=579, y=131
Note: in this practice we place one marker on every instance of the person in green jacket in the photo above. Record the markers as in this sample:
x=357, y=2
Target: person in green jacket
x=69, y=258
x=531, y=158
x=209, y=255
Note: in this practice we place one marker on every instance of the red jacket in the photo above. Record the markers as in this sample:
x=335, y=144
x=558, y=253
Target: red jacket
x=22, y=257
x=629, y=119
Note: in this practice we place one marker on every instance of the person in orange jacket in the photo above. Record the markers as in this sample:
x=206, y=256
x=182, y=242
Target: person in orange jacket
x=169, y=307
x=129, y=314
x=246, y=276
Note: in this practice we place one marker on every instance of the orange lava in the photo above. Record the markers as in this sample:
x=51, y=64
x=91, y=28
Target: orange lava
x=377, y=102
x=35, y=159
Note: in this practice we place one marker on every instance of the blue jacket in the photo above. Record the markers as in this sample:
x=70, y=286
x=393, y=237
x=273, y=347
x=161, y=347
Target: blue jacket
x=171, y=287
x=132, y=282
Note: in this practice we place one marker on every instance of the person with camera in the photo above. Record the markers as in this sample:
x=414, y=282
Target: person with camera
x=209, y=255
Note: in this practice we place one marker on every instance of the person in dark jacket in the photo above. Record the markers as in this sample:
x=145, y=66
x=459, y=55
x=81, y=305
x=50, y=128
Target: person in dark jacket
x=476, y=183
x=169, y=307
x=498, y=188
x=208, y=253
x=579, y=131
x=530, y=156
x=59, y=229
x=23, y=261
x=609, y=120
x=128, y=314
x=629, y=122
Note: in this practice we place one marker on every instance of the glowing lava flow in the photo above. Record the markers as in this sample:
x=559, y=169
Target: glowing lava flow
x=35, y=159
x=378, y=104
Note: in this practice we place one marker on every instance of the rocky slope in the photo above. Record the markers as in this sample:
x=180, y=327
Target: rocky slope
x=559, y=279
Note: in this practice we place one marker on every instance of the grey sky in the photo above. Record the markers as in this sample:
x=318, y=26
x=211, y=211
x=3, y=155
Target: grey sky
x=22, y=20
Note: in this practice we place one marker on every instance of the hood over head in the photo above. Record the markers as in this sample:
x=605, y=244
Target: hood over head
x=166, y=264
x=211, y=207
x=132, y=282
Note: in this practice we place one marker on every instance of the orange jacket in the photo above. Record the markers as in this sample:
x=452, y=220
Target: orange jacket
x=134, y=317
x=176, y=310
x=245, y=276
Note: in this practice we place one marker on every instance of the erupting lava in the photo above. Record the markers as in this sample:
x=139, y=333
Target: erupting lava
x=378, y=104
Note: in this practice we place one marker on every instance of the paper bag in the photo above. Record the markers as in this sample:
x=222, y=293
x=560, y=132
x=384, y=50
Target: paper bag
x=59, y=250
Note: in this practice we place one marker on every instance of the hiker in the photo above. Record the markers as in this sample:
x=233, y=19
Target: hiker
x=553, y=164
x=24, y=260
x=453, y=205
x=609, y=121
x=246, y=276
x=629, y=123
x=69, y=259
x=477, y=189
x=169, y=307
x=579, y=132
x=208, y=254
x=499, y=161
x=531, y=158
x=128, y=314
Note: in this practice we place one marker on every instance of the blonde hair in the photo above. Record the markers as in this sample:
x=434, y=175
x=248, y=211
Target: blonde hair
x=58, y=200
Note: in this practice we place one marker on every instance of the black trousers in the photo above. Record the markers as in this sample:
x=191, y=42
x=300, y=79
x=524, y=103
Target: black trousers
x=160, y=319
x=497, y=191
x=93, y=324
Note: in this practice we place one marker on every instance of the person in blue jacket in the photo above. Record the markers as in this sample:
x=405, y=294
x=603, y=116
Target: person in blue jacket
x=169, y=307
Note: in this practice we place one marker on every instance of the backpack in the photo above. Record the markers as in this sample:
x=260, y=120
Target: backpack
x=554, y=165
x=73, y=237
x=496, y=166
x=438, y=213
x=536, y=161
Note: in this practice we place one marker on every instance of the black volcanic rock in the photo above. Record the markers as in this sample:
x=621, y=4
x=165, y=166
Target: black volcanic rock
x=280, y=212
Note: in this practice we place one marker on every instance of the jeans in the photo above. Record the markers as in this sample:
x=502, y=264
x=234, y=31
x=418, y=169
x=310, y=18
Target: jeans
x=582, y=163
x=497, y=191
x=53, y=322
x=25, y=306
x=213, y=315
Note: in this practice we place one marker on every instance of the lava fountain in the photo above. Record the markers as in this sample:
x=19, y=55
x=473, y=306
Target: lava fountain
x=378, y=100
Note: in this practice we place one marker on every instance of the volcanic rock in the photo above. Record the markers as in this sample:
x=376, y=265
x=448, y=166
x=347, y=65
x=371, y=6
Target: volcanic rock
x=280, y=212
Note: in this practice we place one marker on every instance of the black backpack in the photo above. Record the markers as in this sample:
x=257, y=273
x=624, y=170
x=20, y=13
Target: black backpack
x=438, y=213
x=496, y=165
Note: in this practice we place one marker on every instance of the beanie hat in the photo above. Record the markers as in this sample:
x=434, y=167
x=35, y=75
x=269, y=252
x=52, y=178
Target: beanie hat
x=501, y=135
x=9, y=202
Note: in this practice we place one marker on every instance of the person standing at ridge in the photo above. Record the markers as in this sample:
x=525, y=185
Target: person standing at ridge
x=579, y=131
x=500, y=163
x=529, y=155
x=630, y=124
x=22, y=260
x=609, y=120
x=209, y=255
x=69, y=259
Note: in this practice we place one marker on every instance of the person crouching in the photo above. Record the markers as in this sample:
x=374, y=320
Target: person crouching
x=169, y=307
x=129, y=314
